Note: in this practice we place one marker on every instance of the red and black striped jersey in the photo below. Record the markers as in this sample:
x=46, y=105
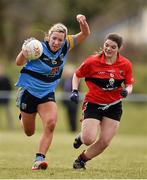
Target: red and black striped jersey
x=105, y=81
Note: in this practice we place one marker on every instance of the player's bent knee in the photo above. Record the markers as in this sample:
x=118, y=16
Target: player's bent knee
x=29, y=133
x=88, y=140
x=50, y=125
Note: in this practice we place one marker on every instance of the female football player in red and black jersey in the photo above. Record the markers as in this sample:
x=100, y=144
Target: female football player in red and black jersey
x=109, y=78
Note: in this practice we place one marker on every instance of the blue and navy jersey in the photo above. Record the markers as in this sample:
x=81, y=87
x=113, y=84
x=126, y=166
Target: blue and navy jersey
x=41, y=76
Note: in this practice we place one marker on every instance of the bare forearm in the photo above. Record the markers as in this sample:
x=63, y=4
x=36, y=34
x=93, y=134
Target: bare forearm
x=84, y=27
x=75, y=82
x=20, y=59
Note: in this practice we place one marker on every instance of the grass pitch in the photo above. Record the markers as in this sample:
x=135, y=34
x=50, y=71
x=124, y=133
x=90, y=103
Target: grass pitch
x=126, y=158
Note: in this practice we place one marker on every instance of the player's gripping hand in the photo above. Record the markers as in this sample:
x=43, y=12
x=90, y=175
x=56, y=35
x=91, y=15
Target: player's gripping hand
x=24, y=51
x=74, y=96
x=124, y=93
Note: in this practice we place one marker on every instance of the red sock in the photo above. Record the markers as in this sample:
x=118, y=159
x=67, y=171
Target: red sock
x=83, y=157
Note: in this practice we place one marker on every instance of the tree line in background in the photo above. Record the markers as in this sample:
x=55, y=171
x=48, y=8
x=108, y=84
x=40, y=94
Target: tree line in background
x=22, y=19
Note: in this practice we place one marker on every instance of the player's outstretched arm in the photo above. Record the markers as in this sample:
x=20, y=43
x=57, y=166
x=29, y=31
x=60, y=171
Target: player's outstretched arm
x=84, y=27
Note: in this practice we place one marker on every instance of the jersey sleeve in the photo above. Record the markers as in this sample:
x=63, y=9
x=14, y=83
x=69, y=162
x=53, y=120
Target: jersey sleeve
x=71, y=42
x=84, y=69
x=129, y=74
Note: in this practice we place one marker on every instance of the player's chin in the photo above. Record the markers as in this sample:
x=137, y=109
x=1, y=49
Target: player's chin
x=108, y=55
x=54, y=49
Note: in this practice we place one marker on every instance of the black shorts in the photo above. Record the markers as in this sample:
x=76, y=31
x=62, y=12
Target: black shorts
x=28, y=103
x=96, y=111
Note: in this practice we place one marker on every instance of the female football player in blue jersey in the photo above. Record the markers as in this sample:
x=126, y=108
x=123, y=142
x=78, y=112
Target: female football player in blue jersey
x=38, y=81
